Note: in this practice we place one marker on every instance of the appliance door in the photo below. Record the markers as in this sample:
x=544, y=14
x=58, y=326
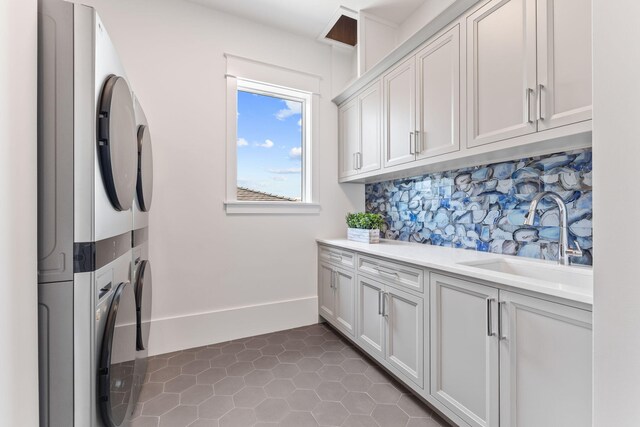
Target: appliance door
x=143, y=320
x=144, y=187
x=118, y=358
x=143, y=304
x=117, y=142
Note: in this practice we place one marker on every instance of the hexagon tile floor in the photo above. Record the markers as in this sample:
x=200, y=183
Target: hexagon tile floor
x=308, y=376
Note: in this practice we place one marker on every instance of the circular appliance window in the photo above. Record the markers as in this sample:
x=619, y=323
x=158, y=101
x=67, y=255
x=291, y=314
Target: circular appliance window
x=118, y=358
x=145, y=169
x=143, y=304
x=117, y=144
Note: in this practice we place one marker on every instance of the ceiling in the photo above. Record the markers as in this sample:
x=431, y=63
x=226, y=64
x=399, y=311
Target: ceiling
x=309, y=17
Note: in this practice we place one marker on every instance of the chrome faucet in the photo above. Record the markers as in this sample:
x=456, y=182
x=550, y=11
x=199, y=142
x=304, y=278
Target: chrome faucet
x=565, y=252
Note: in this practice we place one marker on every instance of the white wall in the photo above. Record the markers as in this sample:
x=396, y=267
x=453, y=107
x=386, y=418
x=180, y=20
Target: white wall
x=218, y=277
x=616, y=153
x=18, y=222
x=421, y=17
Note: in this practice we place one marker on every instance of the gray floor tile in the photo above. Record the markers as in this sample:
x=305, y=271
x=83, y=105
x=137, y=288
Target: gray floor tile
x=272, y=409
x=303, y=400
x=330, y=413
x=302, y=377
x=196, y=394
x=180, y=416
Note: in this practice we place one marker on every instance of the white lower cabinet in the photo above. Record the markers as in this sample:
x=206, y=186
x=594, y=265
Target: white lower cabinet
x=344, y=290
x=336, y=295
x=370, y=323
x=464, y=349
x=390, y=327
x=500, y=358
x=545, y=363
x=326, y=297
x=403, y=313
x=483, y=356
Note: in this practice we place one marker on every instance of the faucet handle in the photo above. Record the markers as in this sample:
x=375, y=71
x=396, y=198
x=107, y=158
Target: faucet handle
x=575, y=252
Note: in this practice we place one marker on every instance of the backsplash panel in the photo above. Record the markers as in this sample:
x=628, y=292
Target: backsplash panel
x=483, y=208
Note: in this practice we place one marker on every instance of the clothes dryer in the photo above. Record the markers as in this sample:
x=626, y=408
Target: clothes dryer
x=88, y=164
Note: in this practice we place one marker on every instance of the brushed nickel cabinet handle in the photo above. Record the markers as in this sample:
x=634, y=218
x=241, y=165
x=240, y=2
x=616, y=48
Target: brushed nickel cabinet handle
x=528, y=109
x=500, y=335
x=490, y=332
x=411, y=142
x=384, y=304
x=540, y=88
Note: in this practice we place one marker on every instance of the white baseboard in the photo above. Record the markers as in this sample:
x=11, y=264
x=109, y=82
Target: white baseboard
x=196, y=330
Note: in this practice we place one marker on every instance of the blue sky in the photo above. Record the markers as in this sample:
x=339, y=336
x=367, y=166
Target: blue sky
x=269, y=144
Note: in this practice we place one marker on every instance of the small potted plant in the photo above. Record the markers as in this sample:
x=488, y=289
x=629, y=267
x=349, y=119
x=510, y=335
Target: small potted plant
x=364, y=227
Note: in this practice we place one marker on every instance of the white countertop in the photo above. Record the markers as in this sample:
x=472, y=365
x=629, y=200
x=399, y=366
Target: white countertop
x=450, y=259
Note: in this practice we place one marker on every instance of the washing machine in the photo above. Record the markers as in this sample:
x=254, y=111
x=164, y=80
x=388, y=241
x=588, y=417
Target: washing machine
x=88, y=170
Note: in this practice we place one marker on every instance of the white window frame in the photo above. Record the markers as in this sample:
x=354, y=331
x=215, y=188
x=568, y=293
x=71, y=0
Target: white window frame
x=309, y=203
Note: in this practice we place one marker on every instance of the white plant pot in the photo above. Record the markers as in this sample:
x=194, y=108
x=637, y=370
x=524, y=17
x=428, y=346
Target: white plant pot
x=364, y=236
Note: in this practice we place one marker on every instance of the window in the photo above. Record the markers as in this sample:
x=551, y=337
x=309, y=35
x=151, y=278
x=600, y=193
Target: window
x=272, y=117
x=271, y=147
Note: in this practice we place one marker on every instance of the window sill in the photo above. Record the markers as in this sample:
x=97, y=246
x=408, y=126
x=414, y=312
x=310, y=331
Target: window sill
x=236, y=207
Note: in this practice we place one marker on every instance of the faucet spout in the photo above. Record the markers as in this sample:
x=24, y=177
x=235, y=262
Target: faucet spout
x=564, y=252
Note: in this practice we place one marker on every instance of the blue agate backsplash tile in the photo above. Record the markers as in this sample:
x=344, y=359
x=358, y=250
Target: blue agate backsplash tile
x=483, y=208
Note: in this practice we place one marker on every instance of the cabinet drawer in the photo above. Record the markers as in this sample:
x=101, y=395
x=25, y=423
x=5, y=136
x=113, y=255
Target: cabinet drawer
x=392, y=272
x=337, y=256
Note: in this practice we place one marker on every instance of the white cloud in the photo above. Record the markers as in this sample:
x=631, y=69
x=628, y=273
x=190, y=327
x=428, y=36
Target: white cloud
x=293, y=108
x=300, y=122
x=279, y=178
x=285, y=171
x=295, y=152
x=242, y=142
x=266, y=144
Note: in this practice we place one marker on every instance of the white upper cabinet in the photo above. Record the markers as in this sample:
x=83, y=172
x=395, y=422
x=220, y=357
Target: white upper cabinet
x=504, y=78
x=360, y=128
x=501, y=71
x=564, y=62
x=545, y=363
x=349, y=128
x=464, y=349
x=370, y=104
x=399, y=113
x=438, y=101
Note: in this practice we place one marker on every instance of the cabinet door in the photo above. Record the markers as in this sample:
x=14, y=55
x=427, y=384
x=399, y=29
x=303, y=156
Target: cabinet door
x=545, y=363
x=326, y=294
x=405, y=333
x=370, y=128
x=564, y=62
x=438, y=102
x=501, y=71
x=349, y=140
x=370, y=324
x=345, y=309
x=399, y=113
x=464, y=349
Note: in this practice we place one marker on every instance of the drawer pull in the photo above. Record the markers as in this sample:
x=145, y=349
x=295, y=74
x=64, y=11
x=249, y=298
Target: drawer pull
x=380, y=293
x=393, y=274
x=335, y=257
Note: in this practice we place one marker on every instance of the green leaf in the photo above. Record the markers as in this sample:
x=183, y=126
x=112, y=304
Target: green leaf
x=364, y=220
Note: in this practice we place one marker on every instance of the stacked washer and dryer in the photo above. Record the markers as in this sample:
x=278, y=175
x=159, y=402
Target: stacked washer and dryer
x=94, y=194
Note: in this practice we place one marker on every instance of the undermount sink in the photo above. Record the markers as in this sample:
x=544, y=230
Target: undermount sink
x=577, y=279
